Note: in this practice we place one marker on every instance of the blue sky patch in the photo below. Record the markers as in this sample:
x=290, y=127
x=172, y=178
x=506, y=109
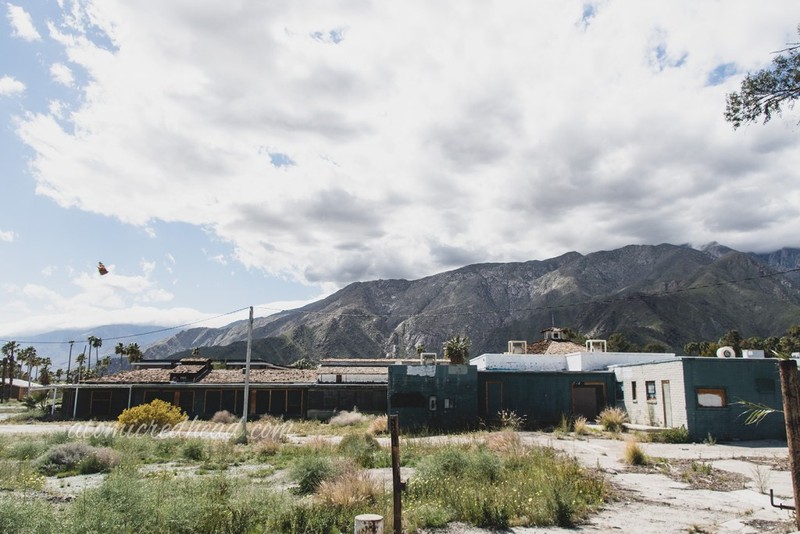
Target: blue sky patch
x=721, y=73
x=280, y=160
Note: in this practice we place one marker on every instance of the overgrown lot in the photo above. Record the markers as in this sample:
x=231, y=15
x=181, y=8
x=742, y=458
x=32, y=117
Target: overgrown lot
x=187, y=484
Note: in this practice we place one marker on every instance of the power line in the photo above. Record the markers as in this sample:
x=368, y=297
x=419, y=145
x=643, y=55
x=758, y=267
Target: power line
x=127, y=336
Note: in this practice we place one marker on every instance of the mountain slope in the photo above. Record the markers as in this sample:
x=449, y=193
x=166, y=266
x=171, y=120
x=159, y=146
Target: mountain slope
x=665, y=293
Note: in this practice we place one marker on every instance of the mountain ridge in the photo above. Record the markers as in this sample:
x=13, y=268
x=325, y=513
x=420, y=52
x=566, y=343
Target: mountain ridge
x=668, y=294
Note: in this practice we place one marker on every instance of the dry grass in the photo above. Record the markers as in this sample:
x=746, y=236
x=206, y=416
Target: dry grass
x=613, y=419
x=353, y=487
x=580, y=425
x=346, y=418
x=379, y=425
x=634, y=454
x=225, y=417
x=505, y=442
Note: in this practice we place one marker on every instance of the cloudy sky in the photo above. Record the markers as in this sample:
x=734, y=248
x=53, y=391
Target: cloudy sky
x=221, y=154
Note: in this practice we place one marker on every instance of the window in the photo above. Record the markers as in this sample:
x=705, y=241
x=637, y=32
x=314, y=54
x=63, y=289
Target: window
x=633, y=391
x=711, y=398
x=650, y=386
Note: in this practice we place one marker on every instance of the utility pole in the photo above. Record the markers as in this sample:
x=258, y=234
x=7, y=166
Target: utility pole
x=397, y=484
x=246, y=404
x=790, y=386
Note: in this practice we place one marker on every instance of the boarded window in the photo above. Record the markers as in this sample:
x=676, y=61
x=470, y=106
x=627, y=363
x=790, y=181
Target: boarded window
x=650, y=385
x=711, y=398
x=408, y=400
x=101, y=402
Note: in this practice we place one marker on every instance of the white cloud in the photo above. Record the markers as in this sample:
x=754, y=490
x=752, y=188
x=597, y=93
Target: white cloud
x=93, y=300
x=49, y=270
x=421, y=136
x=7, y=236
x=10, y=86
x=62, y=74
x=22, y=24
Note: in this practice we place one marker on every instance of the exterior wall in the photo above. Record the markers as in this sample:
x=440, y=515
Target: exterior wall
x=750, y=380
x=577, y=361
x=728, y=380
x=324, y=401
x=595, y=361
x=289, y=400
x=654, y=412
x=433, y=396
x=541, y=397
x=521, y=362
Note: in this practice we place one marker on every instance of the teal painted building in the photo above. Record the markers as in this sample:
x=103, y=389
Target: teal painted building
x=544, y=397
x=439, y=396
x=703, y=395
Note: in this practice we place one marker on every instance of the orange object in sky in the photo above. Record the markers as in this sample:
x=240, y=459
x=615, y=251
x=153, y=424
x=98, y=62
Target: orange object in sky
x=101, y=268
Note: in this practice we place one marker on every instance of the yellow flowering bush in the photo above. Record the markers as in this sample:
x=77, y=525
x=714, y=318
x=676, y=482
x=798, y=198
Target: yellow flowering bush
x=156, y=415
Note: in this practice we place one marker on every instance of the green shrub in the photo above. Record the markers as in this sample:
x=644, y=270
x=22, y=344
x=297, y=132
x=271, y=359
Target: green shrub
x=156, y=415
x=26, y=450
x=78, y=456
x=671, y=435
x=535, y=487
x=26, y=516
x=309, y=472
x=194, y=450
x=19, y=476
x=362, y=448
x=613, y=419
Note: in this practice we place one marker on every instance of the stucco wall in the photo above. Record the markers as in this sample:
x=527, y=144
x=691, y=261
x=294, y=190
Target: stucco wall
x=651, y=412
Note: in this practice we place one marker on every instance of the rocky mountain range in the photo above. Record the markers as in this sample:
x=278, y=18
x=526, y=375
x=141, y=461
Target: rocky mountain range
x=668, y=294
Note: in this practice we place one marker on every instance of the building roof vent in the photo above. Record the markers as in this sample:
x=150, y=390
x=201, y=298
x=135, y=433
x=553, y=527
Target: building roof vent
x=596, y=345
x=427, y=358
x=517, y=347
x=726, y=352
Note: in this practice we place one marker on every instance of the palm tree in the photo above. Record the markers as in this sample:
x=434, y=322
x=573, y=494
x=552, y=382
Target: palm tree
x=122, y=351
x=134, y=352
x=456, y=349
x=59, y=373
x=28, y=356
x=69, y=360
x=79, y=359
x=8, y=350
x=94, y=343
x=44, y=372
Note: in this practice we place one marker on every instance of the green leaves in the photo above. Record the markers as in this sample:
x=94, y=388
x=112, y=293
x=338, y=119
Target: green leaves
x=764, y=93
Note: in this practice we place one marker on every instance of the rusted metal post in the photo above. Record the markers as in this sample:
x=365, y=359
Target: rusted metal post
x=397, y=484
x=790, y=386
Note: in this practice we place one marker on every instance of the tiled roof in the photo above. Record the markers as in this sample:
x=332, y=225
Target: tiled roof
x=353, y=371
x=215, y=376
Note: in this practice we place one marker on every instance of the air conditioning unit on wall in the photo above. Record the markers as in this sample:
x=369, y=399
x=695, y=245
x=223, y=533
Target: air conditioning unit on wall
x=726, y=352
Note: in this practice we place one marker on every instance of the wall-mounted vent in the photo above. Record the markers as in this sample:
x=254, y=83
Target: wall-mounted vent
x=726, y=352
x=517, y=347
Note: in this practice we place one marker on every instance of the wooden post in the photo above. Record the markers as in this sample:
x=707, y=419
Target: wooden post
x=790, y=386
x=397, y=484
